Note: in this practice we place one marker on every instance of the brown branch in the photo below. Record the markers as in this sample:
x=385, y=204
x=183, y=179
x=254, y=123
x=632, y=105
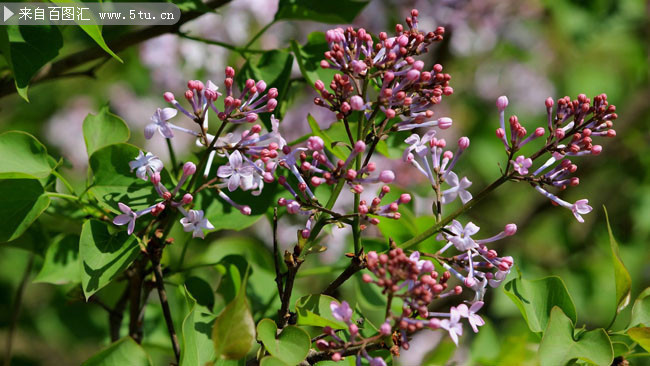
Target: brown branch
x=155, y=253
x=117, y=314
x=136, y=277
x=357, y=263
x=314, y=357
x=276, y=260
x=293, y=263
x=64, y=66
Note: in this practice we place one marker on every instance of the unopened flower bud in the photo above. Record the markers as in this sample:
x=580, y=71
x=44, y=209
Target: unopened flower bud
x=187, y=198
x=510, y=229
x=463, y=142
x=502, y=103
x=189, y=168
x=356, y=102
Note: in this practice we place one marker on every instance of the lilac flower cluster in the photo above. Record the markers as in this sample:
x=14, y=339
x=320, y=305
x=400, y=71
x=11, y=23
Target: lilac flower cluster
x=148, y=167
x=570, y=132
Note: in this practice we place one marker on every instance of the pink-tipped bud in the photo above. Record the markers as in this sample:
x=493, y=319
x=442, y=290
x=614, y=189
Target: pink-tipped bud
x=336, y=357
x=273, y=93
x=445, y=122
x=319, y=85
x=374, y=221
x=245, y=210
x=458, y=290
x=155, y=178
x=345, y=107
x=385, y=329
x=187, y=198
x=271, y=104
x=510, y=229
x=434, y=323
x=390, y=113
x=356, y=102
x=463, y=142
x=470, y=282
x=189, y=168
x=404, y=198
x=261, y=86
x=251, y=117
x=549, y=102
x=502, y=103
x=366, y=278
x=596, y=149
x=268, y=177
x=350, y=174
x=354, y=329
x=359, y=147
x=169, y=97
x=305, y=233
x=322, y=344
x=447, y=155
x=230, y=72
x=315, y=143
x=539, y=131
x=500, y=133
x=357, y=188
x=385, y=189
x=386, y=176
x=167, y=196
x=324, y=64
x=413, y=75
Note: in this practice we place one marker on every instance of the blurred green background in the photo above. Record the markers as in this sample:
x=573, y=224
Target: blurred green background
x=527, y=50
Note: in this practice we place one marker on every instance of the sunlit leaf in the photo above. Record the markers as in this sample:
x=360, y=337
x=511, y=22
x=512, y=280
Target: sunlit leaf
x=291, y=346
x=122, y=352
x=61, y=263
x=104, y=129
x=23, y=156
x=621, y=275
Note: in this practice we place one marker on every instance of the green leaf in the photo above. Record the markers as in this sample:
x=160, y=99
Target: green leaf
x=641, y=335
x=272, y=361
x=92, y=30
x=114, y=182
x=536, y=299
x=104, y=129
x=123, y=352
x=558, y=346
x=336, y=149
x=641, y=309
x=61, y=263
x=309, y=56
x=201, y=291
x=104, y=254
x=274, y=67
x=23, y=156
x=32, y=46
x=314, y=310
x=197, y=343
x=621, y=275
x=22, y=201
x=192, y=5
x=291, y=346
x=333, y=12
x=224, y=216
x=233, y=334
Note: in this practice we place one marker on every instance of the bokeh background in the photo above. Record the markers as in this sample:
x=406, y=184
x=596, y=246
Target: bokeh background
x=527, y=50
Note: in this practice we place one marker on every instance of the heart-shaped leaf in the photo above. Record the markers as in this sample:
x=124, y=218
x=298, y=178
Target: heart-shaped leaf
x=104, y=129
x=22, y=201
x=122, y=352
x=197, y=344
x=104, y=254
x=621, y=275
x=314, y=310
x=291, y=346
x=559, y=346
x=233, y=334
x=23, y=156
x=535, y=299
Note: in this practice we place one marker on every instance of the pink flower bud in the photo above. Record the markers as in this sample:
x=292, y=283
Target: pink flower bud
x=273, y=93
x=315, y=143
x=167, y=196
x=596, y=149
x=387, y=176
x=413, y=75
x=268, y=177
x=251, y=117
x=434, y=323
x=404, y=198
x=350, y=174
x=463, y=143
x=360, y=146
x=539, y=131
x=261, y=86
x=189, y=168
x=549, y=102
x=390, y=113
x=358, y=188
x=470, y=282
x=354, y=329
x=336, y=357
x=444, y=123
x=345, y=107
x=155, y=178
x=271, y=104
x=169, y=97
x=245, y=210
x=502, y=103
x=418, y=65
x=356, y=102
x=305, y=233
x=187, y=198
x=230, y=72
x=510, y=229
x=319, y=85
x=322, y=344
x=385, y=329
x=500, y=133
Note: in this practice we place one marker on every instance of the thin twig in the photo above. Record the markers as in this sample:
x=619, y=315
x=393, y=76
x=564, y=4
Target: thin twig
x=293, y=264
x=155, y=254
x=276, y=259
x=356, y=264
x=15, y=312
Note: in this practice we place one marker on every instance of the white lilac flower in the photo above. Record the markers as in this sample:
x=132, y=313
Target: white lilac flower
x=452, y=325
x=196, y=223
x=128, y=216
x=581, y=207
x=146, y=165
x=458, y=188
x=417, y=144
x=159, y=123
x=341, y=312
x=238, y=172
x=462, y=238
x=422, y=265
x=521, y=164
x=470, y=313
